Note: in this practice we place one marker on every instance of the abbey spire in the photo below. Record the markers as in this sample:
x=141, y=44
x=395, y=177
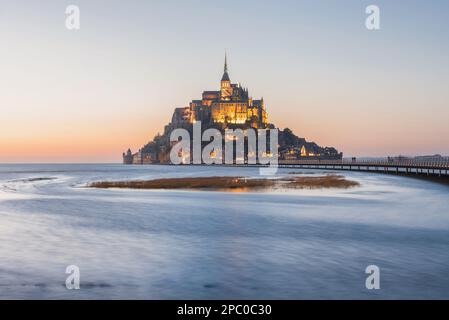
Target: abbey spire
x=225, y=74
x=226, y=63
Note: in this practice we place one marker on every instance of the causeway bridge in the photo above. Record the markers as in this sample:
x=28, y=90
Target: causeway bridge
x=436, y=168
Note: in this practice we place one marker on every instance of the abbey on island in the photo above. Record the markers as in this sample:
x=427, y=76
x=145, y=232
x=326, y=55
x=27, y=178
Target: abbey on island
x=231, y=107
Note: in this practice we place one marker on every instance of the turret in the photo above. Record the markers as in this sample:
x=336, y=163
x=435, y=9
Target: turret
x=128, y=157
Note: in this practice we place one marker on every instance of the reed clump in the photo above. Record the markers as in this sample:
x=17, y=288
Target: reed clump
x=223, y=183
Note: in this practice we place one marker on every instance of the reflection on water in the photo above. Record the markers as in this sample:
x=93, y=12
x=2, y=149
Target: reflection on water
x=208, y=244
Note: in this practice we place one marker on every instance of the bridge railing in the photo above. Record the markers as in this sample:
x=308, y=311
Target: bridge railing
x=405, y=163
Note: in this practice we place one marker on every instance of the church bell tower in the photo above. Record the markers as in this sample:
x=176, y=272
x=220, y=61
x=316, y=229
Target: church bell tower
x=226, y=88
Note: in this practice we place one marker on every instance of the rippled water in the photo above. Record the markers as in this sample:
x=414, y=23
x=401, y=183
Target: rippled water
x=206, y=244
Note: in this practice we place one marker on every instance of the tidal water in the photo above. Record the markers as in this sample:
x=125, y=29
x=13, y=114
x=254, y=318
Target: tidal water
x=185, y=244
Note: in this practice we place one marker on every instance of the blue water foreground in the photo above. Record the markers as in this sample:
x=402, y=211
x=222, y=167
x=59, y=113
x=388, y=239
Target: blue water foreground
x=187, y=244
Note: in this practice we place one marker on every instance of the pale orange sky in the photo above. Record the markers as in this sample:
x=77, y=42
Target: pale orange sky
x=88, y=95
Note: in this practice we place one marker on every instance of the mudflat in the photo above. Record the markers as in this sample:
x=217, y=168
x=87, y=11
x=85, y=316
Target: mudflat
x=223, y=183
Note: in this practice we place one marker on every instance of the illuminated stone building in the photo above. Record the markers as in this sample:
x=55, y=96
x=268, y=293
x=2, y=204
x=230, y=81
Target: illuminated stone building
x=230, y=106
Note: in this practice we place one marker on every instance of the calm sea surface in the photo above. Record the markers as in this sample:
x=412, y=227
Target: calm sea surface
x=151, y=244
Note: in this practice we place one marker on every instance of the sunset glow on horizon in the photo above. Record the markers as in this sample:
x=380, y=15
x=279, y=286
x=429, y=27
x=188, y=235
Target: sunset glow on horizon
x=89, y=95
